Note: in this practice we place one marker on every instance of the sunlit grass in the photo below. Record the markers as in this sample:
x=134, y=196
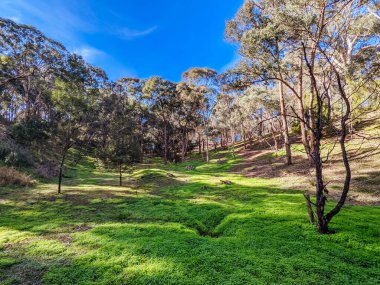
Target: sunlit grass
x=182, y=228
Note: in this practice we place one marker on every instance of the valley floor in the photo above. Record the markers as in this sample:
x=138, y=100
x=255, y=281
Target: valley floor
x=169, y=225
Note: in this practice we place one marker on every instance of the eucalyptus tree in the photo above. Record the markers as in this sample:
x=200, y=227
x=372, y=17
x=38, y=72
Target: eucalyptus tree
x=338, y=49
x=188, y=115
x=76, y=100
x=221, y=118
x=206, y=79
x=263, y=52
x=162, y=96
x=132, y=88
x=362, y=58
x=264, y=106
x=29, y=63
x=330, y=48
x=119, y=146
x=353, y=48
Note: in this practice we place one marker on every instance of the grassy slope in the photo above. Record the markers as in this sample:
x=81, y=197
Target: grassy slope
x=364, y=156
x=186, y=229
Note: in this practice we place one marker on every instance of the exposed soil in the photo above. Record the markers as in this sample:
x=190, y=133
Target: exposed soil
x=259, y=162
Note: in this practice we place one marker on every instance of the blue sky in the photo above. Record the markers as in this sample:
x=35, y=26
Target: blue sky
x=135, y=37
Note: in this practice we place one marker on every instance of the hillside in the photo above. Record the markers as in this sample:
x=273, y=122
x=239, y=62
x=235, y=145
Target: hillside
x=363, y=148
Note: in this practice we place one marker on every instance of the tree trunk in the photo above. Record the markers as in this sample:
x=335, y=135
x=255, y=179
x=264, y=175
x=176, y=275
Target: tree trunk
x=322, y=224
x=244, y=140
x=351, y=125
x=199, y=144
x=342, y=142
x=183, y=153
x=285, y=125
x=309, y=208
x=250, y=138
x=207, y=156
x=311, y=119
x=166, y=144
x=60, y=180
x=61, y=169
x=186, y=143
x=121, y=176
x=26, y=89
x=274, y=134
x=300, y=98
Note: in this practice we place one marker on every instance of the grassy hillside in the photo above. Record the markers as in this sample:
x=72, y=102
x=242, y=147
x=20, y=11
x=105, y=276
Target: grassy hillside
x=170, y=225
x=364, y=155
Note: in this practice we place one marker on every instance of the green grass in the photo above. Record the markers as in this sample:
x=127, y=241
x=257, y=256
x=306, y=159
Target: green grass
x=184, y=228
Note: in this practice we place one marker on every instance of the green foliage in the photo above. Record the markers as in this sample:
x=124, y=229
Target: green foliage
x=26, y=132
x=296, y=128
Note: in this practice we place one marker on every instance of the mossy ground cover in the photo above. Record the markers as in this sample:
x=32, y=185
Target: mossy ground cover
x=169, y=225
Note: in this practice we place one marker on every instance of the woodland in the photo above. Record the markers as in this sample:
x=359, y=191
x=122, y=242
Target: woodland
x=267, y=173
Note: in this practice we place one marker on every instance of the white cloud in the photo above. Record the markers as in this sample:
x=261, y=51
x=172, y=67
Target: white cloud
x=235, y=60
x=55, y=18
x=129, y=34
x=14, y=19
x=89, y=53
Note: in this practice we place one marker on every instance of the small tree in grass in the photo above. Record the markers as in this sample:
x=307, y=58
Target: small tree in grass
x=119, y=146
x=75, y=100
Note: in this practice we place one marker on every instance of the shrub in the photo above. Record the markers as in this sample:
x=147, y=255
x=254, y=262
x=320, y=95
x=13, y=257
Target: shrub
x=47, y=170
x=10, y=176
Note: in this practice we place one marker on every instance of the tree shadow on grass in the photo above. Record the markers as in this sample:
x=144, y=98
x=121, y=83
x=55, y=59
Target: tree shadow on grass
x=191, y=234
x=264, y=248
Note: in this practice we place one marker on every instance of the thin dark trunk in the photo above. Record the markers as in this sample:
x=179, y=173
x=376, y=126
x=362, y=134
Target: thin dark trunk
x=245, y=141
x=183, y=152
x=250, y=138
x=121, y=176
x=207, y=155
x=61, y=166
x=342, y=142
x=166, y=144
x=322, y=224
x=199, y=144
x=309, y=208
x=311, y=119
x=186, y=144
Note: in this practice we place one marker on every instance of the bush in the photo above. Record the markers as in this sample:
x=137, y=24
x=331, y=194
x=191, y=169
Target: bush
x=25, y=133
x=47, y=170
x=10, y=176
x=296, y=128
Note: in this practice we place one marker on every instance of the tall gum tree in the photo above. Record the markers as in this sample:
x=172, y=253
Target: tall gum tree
x=334, y=48
x=262, y=49
x=337, y=49
x=162, y=94
x=204, y=78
